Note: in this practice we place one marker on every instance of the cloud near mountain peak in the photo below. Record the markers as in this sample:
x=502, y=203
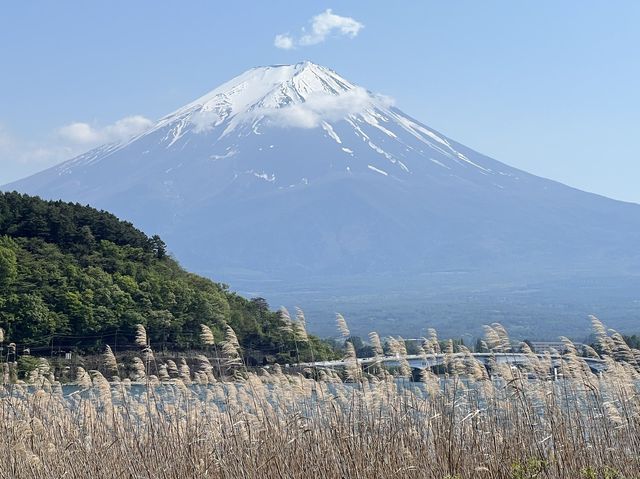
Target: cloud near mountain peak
x=323, y=26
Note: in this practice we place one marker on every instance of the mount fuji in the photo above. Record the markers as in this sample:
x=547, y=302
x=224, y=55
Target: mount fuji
x=291, y=180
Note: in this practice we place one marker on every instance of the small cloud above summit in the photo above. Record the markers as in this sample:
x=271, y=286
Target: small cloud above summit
x=323, y=26
x=327, y=23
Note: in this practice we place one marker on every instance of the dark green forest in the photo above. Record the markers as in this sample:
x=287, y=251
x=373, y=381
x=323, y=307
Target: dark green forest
x=75, y=278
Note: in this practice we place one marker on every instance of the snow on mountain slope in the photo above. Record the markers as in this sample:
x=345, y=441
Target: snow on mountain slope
x=259, y=110
x=291, y=171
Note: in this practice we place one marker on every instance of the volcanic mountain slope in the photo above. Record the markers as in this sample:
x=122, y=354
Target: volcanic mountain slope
x=293, y=173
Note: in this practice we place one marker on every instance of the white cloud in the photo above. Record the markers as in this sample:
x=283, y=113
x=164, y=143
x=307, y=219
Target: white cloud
x=328, y=22
x=323, y=26
x=15, y=152
x=284, y=41
x=206, y=120
x=19, y=158
x=324, y=107
x=79, y=133
x=85, y=134
x=130, y=126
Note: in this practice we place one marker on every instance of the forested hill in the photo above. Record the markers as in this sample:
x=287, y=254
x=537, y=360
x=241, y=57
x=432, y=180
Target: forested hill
x=73, y=277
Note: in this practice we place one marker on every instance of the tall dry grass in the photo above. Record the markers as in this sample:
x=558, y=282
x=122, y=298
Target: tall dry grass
x=188, y=423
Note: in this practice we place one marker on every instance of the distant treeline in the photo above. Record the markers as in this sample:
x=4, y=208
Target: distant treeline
x=78, y=276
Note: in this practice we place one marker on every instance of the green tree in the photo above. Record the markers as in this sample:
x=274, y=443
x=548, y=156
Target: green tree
x=159, y=247
x=8, y=263
x=86, y=276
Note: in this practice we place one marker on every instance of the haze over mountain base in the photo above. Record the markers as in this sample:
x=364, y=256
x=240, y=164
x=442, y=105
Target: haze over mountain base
x=460, y=307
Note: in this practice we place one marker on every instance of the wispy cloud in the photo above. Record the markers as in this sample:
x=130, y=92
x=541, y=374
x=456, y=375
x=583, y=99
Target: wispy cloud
x=324, y=107
x=86, y=134
x=205, y=120
x=284, y=41
x=6, y=140
x=19, y=158
x=323, y=26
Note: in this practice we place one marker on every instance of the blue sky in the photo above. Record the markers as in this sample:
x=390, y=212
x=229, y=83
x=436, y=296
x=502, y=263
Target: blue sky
x=550, y=87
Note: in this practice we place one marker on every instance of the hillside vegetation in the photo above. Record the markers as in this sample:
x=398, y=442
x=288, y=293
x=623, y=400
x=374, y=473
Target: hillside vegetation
x=75, y=277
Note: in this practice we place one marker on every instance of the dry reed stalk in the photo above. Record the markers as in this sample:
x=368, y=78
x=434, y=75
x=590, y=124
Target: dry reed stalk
x=300, y=327
x=520, y=424
x=141, y=336
x=342, y=325
x=206, y=335
x=110, y=362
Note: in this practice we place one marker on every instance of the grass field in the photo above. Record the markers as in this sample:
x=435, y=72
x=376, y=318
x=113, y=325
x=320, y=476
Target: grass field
x=324, y=424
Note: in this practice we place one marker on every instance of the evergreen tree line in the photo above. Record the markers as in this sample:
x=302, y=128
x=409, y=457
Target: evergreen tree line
x=74, y=277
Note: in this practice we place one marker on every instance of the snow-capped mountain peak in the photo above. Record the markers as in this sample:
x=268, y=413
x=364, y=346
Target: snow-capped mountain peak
x=291, y=173
x=288, y=126
x=252, y=116
x=300, y=95
x=272, y=86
